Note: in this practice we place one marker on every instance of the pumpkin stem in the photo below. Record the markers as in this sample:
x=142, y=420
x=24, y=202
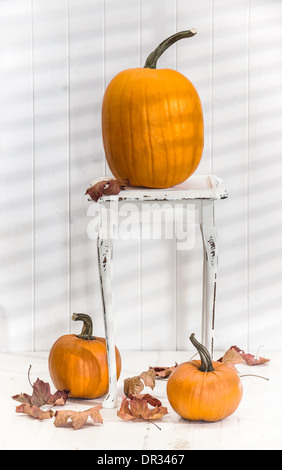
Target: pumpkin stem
x=152, y=59
x=87, y=328
x=206, y=360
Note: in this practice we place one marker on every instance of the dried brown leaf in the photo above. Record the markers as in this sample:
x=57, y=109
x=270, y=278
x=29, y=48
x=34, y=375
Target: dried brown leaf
x=164, y=372
x=108, y=187
x=135, y=385
x=137, y=407
x=148, y=378
x=34, y=411
x=235, y=355
x=250, y=359
x=78, y=418
x=232, y=357
x=42, y=395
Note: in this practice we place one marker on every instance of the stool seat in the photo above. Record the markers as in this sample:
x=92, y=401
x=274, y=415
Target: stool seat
x=196, y=187
x=201, y=191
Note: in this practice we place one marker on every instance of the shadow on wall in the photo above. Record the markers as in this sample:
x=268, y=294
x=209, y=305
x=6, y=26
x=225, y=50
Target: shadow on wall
x=54, y=75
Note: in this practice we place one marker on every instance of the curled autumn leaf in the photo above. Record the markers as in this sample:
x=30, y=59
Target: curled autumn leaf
x=235, y=355
x=137, y=407
x=34, y=411
x=109, y=187
x=232, y=357
x=164, y=372
x=135, y=385
x=250, y=359
x=42, y=394
x=78, y=418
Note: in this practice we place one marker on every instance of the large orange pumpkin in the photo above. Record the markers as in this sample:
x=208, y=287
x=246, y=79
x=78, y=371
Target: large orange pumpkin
x=79, y=362
x=204, y=390
x=152, y=124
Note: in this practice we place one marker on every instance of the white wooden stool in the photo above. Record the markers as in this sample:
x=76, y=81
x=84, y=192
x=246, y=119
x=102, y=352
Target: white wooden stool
x=201, y=191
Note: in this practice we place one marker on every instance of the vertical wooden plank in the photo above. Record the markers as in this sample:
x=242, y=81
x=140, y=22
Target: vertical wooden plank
x=122, y=36
x=122, y=50
x=51, y=184
x=162, y=13
x=121, y=39
x=126, y=278
x=194, y=60
x=230, y=162
x=158, y=278
x=16, y=171
x=265, y=198
x=86, y=85
x=158, y=251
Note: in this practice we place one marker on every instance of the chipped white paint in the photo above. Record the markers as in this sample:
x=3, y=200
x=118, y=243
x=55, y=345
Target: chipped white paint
x=104, y=248
x=195, y=187
x=202, y=189
x=210, y=242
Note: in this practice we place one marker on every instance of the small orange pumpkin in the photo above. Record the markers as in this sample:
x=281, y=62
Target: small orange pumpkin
x=152, y=123
x=204, y=390
x=79, y=362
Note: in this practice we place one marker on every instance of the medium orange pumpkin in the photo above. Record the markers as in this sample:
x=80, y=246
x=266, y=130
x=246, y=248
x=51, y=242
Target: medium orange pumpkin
x=79, y=362
x=152, y=123
x=204, y=390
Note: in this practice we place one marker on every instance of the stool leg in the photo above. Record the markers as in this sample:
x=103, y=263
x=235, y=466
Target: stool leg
x=210, y=244
x=105, y=245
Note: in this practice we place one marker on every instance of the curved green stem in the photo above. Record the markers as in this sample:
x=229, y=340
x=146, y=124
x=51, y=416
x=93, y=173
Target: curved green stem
x=152, y=59
x=206, y=360
x=87, y=328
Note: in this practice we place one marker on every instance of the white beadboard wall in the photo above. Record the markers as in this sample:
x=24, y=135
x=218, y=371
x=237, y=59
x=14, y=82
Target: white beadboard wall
x=56, y=58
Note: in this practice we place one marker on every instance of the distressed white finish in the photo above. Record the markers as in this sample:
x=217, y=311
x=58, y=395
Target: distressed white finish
x=200, y=192
x=251, y=427
x=210, y=243
x=196, y=187
x=104, y=249
x=57, y=57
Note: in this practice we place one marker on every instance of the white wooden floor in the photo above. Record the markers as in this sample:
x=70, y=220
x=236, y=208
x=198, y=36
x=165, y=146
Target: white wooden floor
x=257, y=424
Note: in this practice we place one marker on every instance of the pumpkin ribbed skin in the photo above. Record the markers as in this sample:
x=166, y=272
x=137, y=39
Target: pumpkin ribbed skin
x=152, y=124
x=80, y=365
x=204, y=396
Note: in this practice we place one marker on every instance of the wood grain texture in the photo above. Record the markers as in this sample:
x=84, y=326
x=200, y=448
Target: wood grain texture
x=16, y=178
x=265, y=142
x=56, y=60
x=51, y=170
x=230, y=157
x=86, y=86
x=251, y=427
